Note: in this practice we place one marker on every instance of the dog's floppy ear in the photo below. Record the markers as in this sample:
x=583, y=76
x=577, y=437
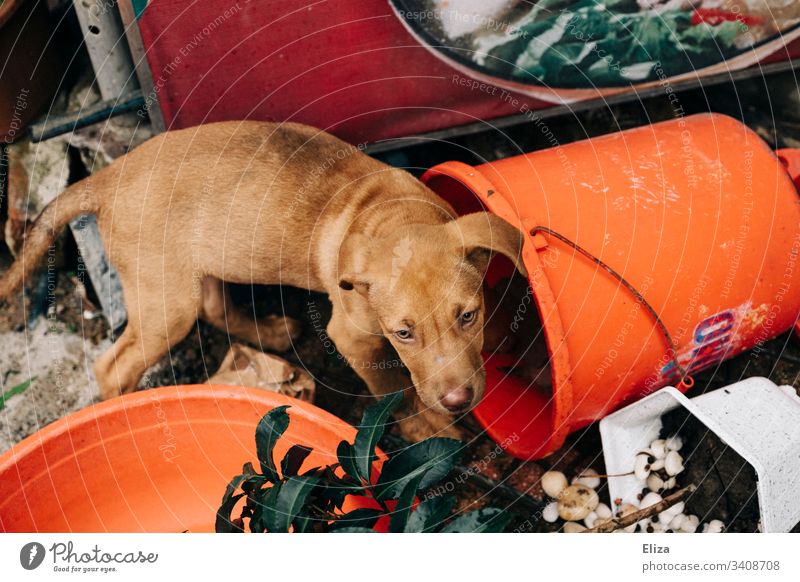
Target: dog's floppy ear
x=353, y=263
x=484, y=233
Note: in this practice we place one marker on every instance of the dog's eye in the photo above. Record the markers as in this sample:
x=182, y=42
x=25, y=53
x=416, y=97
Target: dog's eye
x=404, y=335
x=468, y=317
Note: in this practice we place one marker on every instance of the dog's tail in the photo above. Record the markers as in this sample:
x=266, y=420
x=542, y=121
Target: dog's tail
x=77, y=199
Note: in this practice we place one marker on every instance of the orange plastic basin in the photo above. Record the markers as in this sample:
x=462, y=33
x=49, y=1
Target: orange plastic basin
x=151, y=461
x=697, y=215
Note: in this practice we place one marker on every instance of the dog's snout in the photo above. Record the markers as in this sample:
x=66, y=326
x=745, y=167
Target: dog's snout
x=459, y=399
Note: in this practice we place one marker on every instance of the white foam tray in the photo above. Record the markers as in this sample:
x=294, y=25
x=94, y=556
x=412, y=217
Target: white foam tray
x=756, y=418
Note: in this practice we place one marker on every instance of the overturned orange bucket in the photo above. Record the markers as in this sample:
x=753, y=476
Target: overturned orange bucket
x=652, y=253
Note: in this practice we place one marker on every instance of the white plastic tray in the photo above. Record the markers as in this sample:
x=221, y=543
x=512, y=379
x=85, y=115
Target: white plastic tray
x=756, y=418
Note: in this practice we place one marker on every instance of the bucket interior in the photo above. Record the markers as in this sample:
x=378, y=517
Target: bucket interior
x=517, y=409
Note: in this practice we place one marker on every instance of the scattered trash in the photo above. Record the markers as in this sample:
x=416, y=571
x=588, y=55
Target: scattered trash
x=244, y=366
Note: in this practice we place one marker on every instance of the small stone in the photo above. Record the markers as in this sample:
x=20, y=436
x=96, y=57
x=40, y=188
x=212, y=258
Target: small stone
x=553, y=483
x=576, y=502
x=550, y=512
x=589, y=477
x=655, y=483
x=670, y=512
x=673, y=463
x=641, y=466
x=603, y=511
x=674, y=443
x=589, y=520
x=650, y=499
x=690, y=524
x=659, y=448
x=677, y=522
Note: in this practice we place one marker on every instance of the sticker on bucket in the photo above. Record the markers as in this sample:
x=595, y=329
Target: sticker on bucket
x=712, y=341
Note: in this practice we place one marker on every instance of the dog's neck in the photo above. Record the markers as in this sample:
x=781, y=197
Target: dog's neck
x=376, y=208
x=406, y=202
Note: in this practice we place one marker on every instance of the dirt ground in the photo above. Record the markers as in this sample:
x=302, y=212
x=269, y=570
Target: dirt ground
x=56, y=348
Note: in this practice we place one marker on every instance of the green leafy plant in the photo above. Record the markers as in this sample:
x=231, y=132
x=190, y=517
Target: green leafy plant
x=281, y=499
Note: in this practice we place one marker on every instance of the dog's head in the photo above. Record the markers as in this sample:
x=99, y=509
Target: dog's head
x=425, y=285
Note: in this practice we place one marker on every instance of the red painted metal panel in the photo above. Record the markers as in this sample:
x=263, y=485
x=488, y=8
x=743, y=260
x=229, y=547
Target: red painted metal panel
x=347, y=66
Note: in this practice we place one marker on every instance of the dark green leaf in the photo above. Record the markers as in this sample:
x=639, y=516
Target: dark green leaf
x=288, y=502
x=373, y=425
x=430, y=514
x=232, y=487
x=264, y=514
x=347, y=459
x=361, y=517
x=223, y=522
x=332, y=489
x=397, y=522
x=270, y=428
x=486, y=520
x=18, y=389
x=433, y=458
x=304, y=523
x=354, y=530
x=253, y=482
x=293, y=460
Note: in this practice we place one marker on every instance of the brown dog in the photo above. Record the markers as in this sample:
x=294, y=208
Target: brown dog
x=250, y=202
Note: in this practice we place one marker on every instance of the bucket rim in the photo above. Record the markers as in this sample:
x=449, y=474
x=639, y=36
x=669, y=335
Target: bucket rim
x=129, y=403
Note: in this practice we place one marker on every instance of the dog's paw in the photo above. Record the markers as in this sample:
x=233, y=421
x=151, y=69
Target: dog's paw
x=426, y=424
x=277, y=332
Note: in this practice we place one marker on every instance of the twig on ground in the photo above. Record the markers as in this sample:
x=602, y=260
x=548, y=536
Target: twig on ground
x=616, y=523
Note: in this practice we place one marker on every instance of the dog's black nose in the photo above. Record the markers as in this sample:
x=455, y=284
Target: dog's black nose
x=459, y=399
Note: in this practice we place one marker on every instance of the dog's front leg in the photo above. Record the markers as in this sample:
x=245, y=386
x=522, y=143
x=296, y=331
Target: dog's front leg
x=370, y=355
